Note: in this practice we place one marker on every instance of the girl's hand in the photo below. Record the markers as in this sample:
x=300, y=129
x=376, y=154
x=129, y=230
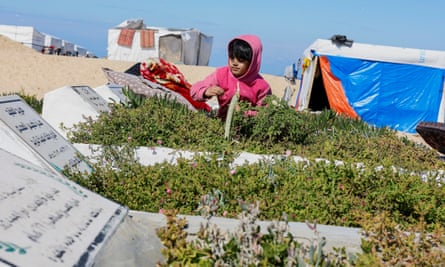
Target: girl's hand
x=213, y=91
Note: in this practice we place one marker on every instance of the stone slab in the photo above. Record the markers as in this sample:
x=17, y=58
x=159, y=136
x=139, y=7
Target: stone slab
x=12, y=143
x=48, y=220
x=336, y=236
x=38, y=135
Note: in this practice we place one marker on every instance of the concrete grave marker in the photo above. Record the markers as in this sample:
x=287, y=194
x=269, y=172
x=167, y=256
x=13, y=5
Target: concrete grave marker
x=70, y=105
x=48, y=220
x=12, y=143
x=92, y=97
x=26, y=123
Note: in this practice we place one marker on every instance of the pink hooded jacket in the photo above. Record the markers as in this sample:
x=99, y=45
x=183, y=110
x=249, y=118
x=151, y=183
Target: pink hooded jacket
x=253, y=87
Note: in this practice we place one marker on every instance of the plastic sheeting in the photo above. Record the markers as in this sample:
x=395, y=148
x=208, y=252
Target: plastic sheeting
x=383, y=93
x=26, y=35
x=186, y=46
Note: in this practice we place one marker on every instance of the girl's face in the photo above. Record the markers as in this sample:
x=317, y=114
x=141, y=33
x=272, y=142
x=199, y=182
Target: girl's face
x=238, y=67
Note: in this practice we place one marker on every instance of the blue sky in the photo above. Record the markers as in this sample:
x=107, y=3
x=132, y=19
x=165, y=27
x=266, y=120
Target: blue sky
x=286, y=27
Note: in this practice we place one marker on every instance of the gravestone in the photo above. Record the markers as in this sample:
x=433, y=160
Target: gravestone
x=38, y=135
x=91, y=97
x=70, y=105
x=48, y=220
x=12, y=143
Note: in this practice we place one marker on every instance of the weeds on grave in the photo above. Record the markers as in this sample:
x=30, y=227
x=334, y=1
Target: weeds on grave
x=247, y=245
x=275, y=129
x=156, y=120
x=330, y=193
x=379, y=171
x=386, y=243
x=133, y=100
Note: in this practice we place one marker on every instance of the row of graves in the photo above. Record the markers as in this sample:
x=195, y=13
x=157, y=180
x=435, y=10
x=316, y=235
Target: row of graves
x=48, y=220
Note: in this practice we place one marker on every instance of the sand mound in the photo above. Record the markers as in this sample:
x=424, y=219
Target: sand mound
x=23, y=69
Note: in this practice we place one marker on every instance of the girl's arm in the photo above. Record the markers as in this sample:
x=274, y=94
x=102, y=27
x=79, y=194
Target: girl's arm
x=197, y=90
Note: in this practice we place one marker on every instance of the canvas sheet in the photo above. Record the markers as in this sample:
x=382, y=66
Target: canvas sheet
x=383, y=93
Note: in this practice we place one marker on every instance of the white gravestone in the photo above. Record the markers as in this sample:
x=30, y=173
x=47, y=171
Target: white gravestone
x=48, y=220
x=12, y=143
x=70, y=105
x=92, y=97
x=26, y=123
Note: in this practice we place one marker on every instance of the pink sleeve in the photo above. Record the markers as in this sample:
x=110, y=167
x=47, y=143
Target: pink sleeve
x=262, y=95
x=198, y=88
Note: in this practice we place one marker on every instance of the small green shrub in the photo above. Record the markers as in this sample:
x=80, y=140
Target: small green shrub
x=247, y=245
x=133, y=100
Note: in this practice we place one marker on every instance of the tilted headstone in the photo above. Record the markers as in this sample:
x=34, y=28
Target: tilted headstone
x=43, y=139
x=70, y=105
x=12, y=143
x=48, y=220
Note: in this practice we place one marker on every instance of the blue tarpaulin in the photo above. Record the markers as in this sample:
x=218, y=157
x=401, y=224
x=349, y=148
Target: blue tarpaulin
x=390, y=94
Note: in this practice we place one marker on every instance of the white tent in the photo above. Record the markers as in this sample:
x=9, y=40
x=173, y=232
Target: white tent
x=53, y=45
x=383, y=85
x=67, y=48
x=80, y=51
x=26, y=35
x=186, y=46
x=52, y=41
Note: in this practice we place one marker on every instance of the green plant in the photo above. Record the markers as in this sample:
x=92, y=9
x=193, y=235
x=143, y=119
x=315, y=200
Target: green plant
x=362, y=170
x=247, y=245
x=387, y=243
x=133, y=100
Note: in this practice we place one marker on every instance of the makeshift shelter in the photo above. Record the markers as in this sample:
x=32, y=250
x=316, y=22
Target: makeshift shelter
x=67, y=48
x=133, y=41
x=52, y=44
x=385, y=86
x=80, y=51
x=26, y=35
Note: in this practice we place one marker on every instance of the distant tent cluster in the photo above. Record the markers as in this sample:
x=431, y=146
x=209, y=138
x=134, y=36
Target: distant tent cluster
x=43, y=42
x=132, y=40
x=385, y=86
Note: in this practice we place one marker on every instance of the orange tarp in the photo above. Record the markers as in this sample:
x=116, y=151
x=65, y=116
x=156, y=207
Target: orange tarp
x=147, y=38
x=126, y=37
x=334, y=90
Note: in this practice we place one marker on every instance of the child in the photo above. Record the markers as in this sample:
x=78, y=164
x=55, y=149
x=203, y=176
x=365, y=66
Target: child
x=243, y=68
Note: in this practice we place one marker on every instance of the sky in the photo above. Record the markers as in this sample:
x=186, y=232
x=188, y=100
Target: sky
x=286, y=27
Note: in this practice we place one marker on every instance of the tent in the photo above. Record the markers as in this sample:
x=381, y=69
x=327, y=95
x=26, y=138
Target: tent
x=52, y=44
x=26, y=35
x=132, y=40
x=80, y=51
x=52, y=41
x=67, y=48
x=383, y=85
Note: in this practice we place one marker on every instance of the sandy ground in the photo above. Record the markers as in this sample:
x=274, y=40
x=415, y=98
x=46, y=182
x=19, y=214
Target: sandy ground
x=23, y=69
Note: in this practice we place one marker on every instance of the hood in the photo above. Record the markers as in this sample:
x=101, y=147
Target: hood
x=257, y=49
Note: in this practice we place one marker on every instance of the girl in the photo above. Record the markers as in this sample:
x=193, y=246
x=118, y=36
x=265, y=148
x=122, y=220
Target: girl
x=242, y=72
